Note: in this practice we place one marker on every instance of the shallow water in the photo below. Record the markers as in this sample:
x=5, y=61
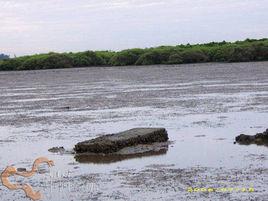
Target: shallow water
x=202, y=106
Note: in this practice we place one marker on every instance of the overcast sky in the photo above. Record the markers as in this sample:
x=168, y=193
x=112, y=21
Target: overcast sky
x=36, y=26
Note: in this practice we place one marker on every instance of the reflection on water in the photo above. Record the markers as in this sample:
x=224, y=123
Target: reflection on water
x=106, y=159
x=112, y=158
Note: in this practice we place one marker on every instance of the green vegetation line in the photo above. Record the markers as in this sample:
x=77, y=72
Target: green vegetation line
x=239, y=51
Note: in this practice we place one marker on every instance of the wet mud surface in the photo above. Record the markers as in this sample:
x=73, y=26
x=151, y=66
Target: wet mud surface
x=202, y=106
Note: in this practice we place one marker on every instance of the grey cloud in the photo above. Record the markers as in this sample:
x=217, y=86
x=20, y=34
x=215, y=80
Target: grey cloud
x=32, y=26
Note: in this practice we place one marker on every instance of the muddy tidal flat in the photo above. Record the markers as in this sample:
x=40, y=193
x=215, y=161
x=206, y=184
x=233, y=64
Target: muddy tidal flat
x=202, y=106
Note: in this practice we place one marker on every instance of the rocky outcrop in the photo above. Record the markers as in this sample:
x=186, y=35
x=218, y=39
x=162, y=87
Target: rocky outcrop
x=259, y=138
x=113, y=143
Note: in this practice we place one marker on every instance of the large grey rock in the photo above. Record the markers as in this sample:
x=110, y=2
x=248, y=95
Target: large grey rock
x=114, y=142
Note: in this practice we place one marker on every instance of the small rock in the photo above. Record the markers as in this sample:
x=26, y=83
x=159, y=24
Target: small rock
x=57, y=150
x=21, y=169
x=200, y=136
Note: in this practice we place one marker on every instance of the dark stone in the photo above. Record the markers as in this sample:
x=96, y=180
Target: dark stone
x=57, y=150
x=259, y=138
x=21, y=169
x=114, y=142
